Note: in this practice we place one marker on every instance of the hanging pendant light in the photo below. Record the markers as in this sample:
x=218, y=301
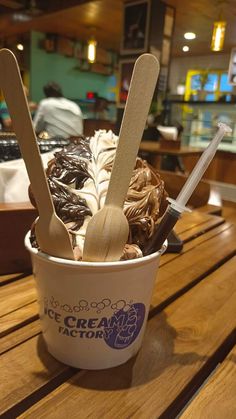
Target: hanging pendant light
x=218, y=36
x=92, y=46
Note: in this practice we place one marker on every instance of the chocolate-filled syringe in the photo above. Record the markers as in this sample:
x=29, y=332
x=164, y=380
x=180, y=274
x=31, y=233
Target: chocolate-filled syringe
x=178, y=206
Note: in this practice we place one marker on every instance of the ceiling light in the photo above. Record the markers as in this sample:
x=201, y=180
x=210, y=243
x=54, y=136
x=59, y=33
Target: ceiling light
x=218, y=36
x=92, y=45
x=190, y=35
x=185, y=48
x=20, y=47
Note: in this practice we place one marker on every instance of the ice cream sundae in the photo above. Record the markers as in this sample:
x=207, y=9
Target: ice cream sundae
x=78, y=177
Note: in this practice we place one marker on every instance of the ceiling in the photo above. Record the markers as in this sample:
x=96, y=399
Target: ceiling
x=78, y=18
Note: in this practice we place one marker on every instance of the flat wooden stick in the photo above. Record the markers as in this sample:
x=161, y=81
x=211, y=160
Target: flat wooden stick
x=52, y=235
x=108, y=230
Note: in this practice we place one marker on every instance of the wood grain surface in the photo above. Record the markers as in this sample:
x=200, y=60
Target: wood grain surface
x=178, y=344
x=196, y=223
x=17, y=294
x=17, y=318
x=190, y=332
x=217, y=397
x=5, y=279
x=20, y=335
x=154, y=147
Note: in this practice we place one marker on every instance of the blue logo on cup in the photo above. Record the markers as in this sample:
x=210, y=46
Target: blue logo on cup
x=118, y=327
x=124, y=326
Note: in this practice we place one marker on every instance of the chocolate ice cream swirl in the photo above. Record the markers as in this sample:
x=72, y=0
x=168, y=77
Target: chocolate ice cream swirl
x=78, y=179
x=144, y=202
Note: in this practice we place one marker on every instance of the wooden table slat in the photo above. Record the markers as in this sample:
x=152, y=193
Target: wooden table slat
x=18, y=318
x=19, y=336
x=229, y=212
x=197, y=227
x=5, y=279
x=25, y=369
x=216, y=399
x=192, y=266
x=191, y=219
x=17, y=294
x=211, y=209
x=190, y=244
x=178, y=343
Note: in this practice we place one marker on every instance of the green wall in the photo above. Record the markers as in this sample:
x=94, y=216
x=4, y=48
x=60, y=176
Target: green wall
x=45, y=67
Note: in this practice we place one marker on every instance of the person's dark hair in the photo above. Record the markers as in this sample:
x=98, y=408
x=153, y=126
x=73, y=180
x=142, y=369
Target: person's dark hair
x=52, y=90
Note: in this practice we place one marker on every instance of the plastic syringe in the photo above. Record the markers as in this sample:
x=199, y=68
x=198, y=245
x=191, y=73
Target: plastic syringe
x=178, y=205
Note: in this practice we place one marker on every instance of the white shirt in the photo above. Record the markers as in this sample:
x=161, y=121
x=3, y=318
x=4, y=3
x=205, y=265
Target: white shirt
x=59, y=117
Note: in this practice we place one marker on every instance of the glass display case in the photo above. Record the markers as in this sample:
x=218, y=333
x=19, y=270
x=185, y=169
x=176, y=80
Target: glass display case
x=200, y=119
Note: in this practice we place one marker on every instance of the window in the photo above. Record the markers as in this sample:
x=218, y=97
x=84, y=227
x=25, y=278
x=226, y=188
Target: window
x=210, y=86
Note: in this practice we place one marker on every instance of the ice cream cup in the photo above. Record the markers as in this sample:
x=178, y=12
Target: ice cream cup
x=93, y=314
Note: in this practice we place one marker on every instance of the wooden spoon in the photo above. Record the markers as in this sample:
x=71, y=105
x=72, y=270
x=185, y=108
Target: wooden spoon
x=52, y=235
x=108, y=229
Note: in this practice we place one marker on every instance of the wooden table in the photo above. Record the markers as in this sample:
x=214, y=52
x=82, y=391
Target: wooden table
x=155, y=147
x=155, y=152
x=188, y=344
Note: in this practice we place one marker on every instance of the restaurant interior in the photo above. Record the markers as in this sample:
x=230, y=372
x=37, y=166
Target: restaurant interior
x=88, y=50
x=50, y=40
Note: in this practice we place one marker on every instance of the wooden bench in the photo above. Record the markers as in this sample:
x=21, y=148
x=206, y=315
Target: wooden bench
x=174, y=183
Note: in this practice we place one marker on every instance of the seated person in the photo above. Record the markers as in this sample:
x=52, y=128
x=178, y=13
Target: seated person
x=101, y=109
x=172, y=162
x=151, y=133
x=58, y=116
x=5, y=118
x=32, y=105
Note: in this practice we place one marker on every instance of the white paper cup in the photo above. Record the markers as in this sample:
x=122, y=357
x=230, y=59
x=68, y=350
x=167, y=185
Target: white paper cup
x=93, y=314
